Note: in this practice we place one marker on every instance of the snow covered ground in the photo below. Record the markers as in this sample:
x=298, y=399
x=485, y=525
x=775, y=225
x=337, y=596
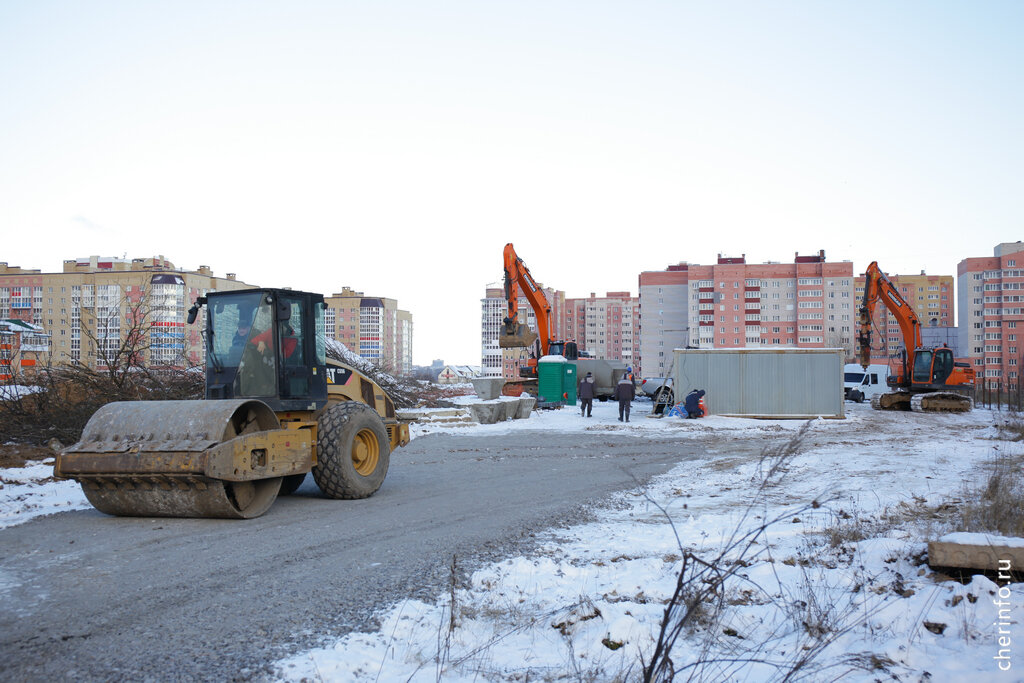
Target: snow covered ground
x=836, y=587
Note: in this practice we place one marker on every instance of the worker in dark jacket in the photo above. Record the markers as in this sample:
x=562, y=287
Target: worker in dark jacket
x=586, y=393
x=692, y=404
x=625, y=392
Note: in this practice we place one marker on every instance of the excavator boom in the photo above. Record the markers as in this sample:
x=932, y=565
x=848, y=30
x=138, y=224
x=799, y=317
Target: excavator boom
x=517, y=278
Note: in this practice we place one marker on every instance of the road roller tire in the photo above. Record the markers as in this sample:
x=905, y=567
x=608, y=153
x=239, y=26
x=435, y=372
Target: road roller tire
x=291, y=484
x=353, y=451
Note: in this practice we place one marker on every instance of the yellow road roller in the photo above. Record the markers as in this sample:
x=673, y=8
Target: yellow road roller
x=276, y=408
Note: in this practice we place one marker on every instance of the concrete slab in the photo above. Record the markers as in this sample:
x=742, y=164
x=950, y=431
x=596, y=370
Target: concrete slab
x=983, y=552
x=446, y=416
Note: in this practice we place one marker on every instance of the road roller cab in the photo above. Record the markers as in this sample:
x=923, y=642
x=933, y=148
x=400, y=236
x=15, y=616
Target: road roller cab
x=275, y=410
x=264, y=344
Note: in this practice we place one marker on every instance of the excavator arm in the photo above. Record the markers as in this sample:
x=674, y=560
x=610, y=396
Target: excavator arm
x=517, y=278
x=878, y=288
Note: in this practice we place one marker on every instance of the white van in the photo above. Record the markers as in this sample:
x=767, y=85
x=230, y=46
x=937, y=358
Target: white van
x=859, y=385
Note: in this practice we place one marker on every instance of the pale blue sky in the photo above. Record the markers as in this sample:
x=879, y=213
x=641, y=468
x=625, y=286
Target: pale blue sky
x=395, y=147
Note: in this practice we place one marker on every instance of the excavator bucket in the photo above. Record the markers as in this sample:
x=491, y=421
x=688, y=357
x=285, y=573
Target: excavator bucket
x=184, y=458
x=523, y=336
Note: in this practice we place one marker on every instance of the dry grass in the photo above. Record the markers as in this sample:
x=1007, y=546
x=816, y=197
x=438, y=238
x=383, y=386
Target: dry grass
x=997, y=505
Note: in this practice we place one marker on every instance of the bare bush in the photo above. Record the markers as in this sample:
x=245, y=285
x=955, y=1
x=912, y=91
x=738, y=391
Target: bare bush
x=706, y=586
x=56, y=401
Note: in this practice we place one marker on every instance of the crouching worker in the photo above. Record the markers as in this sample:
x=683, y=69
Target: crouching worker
x=694, y=405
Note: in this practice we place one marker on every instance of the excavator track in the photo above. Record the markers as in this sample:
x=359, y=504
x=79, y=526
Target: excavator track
x=941, y=402
x=894, y=400
x=183, y=458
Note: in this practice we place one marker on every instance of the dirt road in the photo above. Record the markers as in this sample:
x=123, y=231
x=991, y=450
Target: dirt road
x=84, y=596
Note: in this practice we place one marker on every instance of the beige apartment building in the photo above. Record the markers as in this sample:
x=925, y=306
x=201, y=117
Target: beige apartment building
x=931, y=298
x=89, y=308
x=372, y=327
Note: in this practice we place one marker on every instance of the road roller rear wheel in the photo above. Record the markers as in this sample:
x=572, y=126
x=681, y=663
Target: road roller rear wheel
x=353, y=451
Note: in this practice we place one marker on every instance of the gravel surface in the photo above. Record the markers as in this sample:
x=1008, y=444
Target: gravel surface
x=84, y=596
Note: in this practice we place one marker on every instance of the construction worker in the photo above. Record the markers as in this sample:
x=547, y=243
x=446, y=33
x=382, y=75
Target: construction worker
x=693, y=404
x=586, y=393
x=625, y=392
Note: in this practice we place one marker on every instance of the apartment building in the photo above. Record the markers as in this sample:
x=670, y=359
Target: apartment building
x=990, y=296
x=733, y=304
x=496, y=361
x=23, y=348
x=93, y=305
x=372, y=327
x=931, y=298
x=664, y=320
x=606, y=327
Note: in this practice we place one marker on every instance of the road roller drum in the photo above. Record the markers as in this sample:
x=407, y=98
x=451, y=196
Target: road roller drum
x=185, y=458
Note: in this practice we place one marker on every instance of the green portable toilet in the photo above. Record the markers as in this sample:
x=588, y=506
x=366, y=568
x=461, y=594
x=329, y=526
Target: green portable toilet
x=569, y=383
x=551, y=381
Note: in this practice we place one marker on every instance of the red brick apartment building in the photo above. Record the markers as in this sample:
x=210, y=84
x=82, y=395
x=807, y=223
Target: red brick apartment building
x=990, y=295
x=808, y=303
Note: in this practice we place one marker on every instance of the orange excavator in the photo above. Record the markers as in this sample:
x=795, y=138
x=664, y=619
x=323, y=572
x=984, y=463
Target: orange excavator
x=923, y=379
x=515, y=334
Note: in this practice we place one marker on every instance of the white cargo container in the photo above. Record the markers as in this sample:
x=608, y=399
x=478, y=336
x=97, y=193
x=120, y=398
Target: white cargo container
x=780, y=383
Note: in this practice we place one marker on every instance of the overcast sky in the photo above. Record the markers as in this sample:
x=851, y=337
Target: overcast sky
x=395, y=147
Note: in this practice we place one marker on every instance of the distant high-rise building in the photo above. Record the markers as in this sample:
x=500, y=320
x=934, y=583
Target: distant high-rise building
x=733, y=304
x=372, y=327
x=496, y=361
x=990, y=296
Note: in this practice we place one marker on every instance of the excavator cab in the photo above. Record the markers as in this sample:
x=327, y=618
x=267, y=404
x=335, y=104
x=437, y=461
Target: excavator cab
x=568, y=349
x=266, y=344
x=932, y=366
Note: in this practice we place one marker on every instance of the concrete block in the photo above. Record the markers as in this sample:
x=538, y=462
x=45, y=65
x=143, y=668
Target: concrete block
x=488, y=388
x=511, y=409
x=487, y=413
x=525, y=408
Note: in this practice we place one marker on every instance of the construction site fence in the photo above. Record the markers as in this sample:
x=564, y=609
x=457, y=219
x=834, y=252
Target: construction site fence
x=999, y=395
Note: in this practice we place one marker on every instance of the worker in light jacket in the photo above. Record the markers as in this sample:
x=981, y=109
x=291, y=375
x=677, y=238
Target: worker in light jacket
x=625, y=392
x=586, y=393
